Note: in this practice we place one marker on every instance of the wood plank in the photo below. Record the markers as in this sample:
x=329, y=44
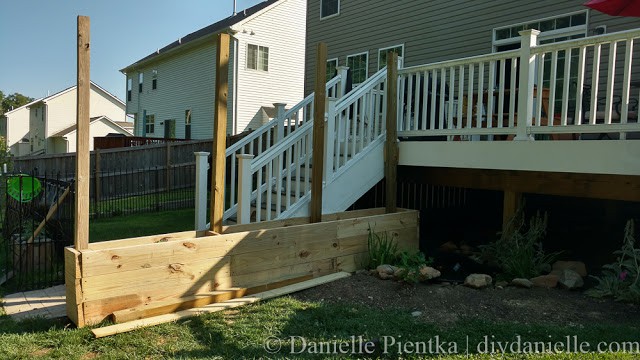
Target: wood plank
x=391, y=144
x=133, y=325
x=73, y=287
x=167, y=307
x=352, y=262
x=50, y=214
x=405, y=238
x=319, y=109
x=152, y=239
x=219, y=133
x=360, y=226
x=596, y=186
x=283, y=273
x=510, y=205
x=81, y=233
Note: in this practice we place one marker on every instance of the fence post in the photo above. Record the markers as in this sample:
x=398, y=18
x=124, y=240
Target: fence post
x=280, y=122
x=97, y=179
x=528, y=40
x=168, y=168
x=329, y=138
x=342, y=72
x=244, y=188
x=202, y=169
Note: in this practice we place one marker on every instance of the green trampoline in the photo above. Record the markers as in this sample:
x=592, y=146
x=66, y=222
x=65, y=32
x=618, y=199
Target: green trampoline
x=23, y=188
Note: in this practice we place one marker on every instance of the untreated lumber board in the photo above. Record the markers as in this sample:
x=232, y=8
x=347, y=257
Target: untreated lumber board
x=219, y=133
x=50, y=214
x=73, y=286
x=138, y=324
x=319, y=103
x=391, y=143
x=81, y=229
x=151, y=239
x=169, y=306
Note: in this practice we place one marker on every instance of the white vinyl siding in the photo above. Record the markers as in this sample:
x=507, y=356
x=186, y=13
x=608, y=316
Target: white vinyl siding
x=282, y=30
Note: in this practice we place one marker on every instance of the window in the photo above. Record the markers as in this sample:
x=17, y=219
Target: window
x=187, y=124
x=258, y=58
x=332, y=65
x=150, y=124
x=382, y=54
x=140, y=80
x=358, y=65
x=154, y=80
x=129, y=85
x=329, y=8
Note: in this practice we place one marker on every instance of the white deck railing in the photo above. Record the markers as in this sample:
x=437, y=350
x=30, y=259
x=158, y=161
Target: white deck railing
x=278, y=180
x=589, y=85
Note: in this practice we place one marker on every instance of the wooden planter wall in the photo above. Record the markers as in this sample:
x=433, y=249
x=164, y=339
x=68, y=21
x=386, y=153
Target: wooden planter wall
x=123, y=274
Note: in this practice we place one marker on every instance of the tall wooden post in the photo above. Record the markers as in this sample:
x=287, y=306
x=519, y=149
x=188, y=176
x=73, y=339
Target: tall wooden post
x=219, y=133
x=510, y=205
x=391, y=145
x=81, y=235
x=318, y=133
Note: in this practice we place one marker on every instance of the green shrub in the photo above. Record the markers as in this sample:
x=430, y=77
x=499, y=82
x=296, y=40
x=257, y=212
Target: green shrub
x=621, y=280
x=382, y=249
x=411, y=264
x=518, y=252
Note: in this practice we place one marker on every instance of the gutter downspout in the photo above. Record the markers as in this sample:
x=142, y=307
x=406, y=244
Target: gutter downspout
x=236, y=45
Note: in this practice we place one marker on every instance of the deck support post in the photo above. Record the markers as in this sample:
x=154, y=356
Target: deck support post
x=391, y=144
x=529, y=40
x=280, y=125
x=318, y=133
x=510, y=206
x=220, y=133
x=81, y=234
x=244, y=188
x=202, y=168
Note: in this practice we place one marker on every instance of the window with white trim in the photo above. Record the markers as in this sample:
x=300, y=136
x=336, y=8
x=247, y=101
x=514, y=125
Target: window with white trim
x=358, y=64
x=382, y=54
x=332, y=65
x=150, y=124
x=258, y=57
x=329, y=8
x=553, y=29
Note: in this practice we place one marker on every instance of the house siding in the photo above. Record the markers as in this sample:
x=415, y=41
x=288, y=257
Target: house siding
x=96, y=129
x=431, y=31
x=282, y=29
x=16, y=126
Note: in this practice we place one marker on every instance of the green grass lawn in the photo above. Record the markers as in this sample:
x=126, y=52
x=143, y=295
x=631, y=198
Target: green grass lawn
x=142, y=202
x=134, y=225
x=241, y=333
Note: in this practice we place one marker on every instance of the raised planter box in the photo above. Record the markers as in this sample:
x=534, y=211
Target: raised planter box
x=124, y=274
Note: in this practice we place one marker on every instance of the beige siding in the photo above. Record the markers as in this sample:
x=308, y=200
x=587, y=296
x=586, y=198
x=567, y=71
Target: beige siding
x=97, y=129
x=17, y=127
x=37, y=127
x=430, y=30
x=282, y=29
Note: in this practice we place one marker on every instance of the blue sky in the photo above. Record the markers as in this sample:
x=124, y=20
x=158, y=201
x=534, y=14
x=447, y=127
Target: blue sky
x=38, y=46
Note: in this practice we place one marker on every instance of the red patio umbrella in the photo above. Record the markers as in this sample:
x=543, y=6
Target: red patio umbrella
x=616, y=7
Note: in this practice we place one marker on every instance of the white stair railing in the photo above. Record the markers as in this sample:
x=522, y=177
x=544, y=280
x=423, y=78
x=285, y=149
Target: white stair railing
x=278, y=180
x=283, y=125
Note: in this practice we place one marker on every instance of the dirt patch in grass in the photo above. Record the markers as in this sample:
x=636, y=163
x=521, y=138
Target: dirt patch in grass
x=444, y=305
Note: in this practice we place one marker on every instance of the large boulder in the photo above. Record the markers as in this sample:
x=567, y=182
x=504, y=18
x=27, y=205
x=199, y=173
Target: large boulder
x=570, y=279
x=546, y=281
x=577, y=266
x=478, y=281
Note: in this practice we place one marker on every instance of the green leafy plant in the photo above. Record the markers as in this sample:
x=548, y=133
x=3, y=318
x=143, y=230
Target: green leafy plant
x=518, y=252
x=382, y=248
x=410, y=263
x=621, y=280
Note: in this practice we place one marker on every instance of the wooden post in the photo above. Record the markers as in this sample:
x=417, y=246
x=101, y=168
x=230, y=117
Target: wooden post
x=391, y=145
x=510, y=205
x=168, y=167
x=81, y=235
x=219, y=133
x=318, y=133
x=97, y=174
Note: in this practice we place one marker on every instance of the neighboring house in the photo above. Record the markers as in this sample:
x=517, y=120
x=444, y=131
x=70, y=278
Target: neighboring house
x=14, y=127
x=50, y=116
x=170, y=93
x=64, y=141
x=359, y=33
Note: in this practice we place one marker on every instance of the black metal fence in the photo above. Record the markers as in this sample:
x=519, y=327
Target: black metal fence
x=37, y=214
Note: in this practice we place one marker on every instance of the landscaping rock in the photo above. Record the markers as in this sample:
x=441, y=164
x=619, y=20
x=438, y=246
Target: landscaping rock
x=449, y=247
x=502, y=284
x=523, y=283
x=416, y=313
x=386, y=269
x=576, y=266
x=428, y=273
x=546, y=281
x=478, y=281
x=570, y=279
